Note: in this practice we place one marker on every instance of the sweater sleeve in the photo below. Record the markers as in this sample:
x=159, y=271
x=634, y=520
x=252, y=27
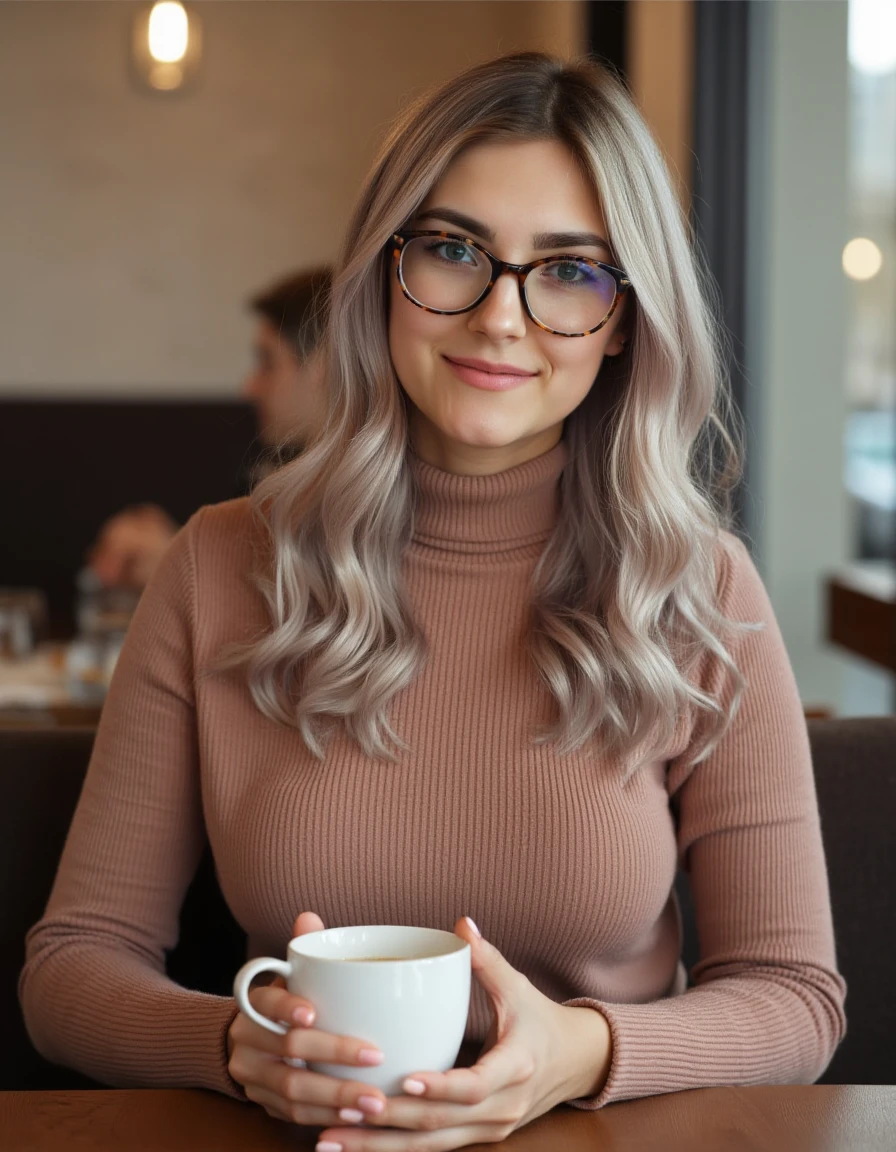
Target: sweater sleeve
x=767, y=1001
x=94, y=991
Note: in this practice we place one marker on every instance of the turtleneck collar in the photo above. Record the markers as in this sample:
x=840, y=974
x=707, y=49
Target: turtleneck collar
x=487, y=513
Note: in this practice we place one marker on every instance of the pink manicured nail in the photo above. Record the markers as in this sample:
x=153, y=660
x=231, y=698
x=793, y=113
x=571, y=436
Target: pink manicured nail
x=473, y=926
x=351, y=1115
x=370, y=1056
x=327, y=1146
x=304, y=1016
x=371, y=1104
x=414, y=1087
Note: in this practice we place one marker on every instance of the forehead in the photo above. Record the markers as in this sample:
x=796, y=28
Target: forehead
x=519, y=188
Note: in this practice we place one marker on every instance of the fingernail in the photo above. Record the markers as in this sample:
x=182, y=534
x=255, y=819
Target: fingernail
x=351, y=1115
x=371, y=1104
x=327, y=1146
x=370, y=1056
x=473, y=926
x=414, y=1087
x=304, y=1016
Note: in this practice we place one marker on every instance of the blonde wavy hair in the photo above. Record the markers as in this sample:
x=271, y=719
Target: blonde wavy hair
x=624, y=598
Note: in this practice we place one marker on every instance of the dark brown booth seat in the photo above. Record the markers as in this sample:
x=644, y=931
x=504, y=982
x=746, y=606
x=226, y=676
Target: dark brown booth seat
x=855, y=776
x=41, y=773
x=855, y=767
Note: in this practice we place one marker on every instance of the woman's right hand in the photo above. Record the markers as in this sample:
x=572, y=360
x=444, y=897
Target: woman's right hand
x=261, y=1061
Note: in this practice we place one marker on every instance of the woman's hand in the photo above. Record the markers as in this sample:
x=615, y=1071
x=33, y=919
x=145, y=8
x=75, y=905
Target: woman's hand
x=539, y=1054
x=269, y=1067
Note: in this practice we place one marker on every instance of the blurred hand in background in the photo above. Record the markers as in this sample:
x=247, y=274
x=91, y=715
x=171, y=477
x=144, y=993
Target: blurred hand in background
x=130, y=546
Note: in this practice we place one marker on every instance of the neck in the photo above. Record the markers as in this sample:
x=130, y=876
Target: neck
x=462, y=459
x=514, y=508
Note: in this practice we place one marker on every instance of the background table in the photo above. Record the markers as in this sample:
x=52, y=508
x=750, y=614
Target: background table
x=792, y=1119
x=63, y=716
x=861, y=611
x=41, y=690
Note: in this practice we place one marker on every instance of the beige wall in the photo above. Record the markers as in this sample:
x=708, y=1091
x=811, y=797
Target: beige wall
x=133, y=225
x=660, y=47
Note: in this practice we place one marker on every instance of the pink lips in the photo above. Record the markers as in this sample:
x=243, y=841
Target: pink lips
x=485, y=374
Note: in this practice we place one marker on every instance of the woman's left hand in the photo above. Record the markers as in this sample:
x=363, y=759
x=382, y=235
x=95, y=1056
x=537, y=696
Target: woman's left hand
x=539, y=1054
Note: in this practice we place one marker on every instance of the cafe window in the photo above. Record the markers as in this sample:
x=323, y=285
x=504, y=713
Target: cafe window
x=869, y=264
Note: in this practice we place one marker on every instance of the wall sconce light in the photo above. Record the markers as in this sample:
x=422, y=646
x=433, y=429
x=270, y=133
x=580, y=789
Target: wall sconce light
x=167, y=45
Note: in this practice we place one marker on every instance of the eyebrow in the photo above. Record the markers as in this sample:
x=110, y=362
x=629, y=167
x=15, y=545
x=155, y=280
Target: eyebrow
x=541, y=241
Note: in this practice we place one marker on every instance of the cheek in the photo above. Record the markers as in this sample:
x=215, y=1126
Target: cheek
x=263, y=383
x=408, y=322
x=412, y=334
x=283, y=384
x=575, y=366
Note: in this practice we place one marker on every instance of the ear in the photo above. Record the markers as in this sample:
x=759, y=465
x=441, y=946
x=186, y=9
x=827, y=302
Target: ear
x=621, y=333
x=616, y=343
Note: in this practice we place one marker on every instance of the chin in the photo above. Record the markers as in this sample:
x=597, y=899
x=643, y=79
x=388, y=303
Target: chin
x=483, y=425
x=491, y=438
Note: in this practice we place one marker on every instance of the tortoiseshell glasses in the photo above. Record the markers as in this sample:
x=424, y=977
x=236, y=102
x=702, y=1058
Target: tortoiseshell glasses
x=448, y=274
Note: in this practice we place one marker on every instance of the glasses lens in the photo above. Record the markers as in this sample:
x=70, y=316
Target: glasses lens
x=570, y=295
x=445, y=274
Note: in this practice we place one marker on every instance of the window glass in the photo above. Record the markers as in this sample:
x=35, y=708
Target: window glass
x=869, y=263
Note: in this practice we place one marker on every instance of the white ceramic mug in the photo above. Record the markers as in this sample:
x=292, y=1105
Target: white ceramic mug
x=405, y=990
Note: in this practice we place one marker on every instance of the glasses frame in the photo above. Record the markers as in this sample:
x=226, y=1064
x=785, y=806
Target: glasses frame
x=499, y=267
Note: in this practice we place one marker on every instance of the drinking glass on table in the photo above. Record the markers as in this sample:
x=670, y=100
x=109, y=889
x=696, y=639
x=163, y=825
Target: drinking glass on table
x=102, y=616
x=23, y=621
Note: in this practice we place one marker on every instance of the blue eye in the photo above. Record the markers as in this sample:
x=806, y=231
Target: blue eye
x=452, y=251
x=571, y=272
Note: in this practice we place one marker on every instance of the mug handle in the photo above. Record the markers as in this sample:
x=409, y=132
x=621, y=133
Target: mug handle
x=244, y=978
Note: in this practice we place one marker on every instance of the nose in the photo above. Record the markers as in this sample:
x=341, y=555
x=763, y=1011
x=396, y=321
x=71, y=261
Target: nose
x=501, y=314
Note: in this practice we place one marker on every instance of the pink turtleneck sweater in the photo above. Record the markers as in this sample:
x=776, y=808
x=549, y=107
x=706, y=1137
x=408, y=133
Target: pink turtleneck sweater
x=567, y=869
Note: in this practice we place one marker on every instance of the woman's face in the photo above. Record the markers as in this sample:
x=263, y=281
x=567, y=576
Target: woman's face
x=513, y=197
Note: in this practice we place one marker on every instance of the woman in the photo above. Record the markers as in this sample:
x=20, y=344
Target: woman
x=499, y=660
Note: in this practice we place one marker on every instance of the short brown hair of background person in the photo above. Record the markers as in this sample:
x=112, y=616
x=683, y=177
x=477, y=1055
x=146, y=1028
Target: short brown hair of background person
x=296, y=308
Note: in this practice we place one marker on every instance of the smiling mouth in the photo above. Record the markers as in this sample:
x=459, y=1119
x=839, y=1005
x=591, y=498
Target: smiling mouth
x=488, y=377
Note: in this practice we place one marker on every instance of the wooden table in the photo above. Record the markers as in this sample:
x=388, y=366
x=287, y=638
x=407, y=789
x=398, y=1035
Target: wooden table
x=62, y=716
x=792, y=1119
x=861, y=611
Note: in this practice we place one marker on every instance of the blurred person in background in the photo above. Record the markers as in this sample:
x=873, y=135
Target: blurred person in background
x=285, y=387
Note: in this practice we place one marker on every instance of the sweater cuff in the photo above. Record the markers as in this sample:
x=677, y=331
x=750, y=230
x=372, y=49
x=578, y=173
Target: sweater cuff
x=728, y=1033
x=607, y=1093
x=229, y=1086
x=199, y=1059
x=651, y=1053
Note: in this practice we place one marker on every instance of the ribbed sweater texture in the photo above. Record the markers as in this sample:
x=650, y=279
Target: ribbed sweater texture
x=566, y=862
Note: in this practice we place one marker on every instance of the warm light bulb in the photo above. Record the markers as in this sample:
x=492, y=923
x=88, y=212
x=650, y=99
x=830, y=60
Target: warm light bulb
x=166, y=45
x=169, y=32
x=862, y=259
